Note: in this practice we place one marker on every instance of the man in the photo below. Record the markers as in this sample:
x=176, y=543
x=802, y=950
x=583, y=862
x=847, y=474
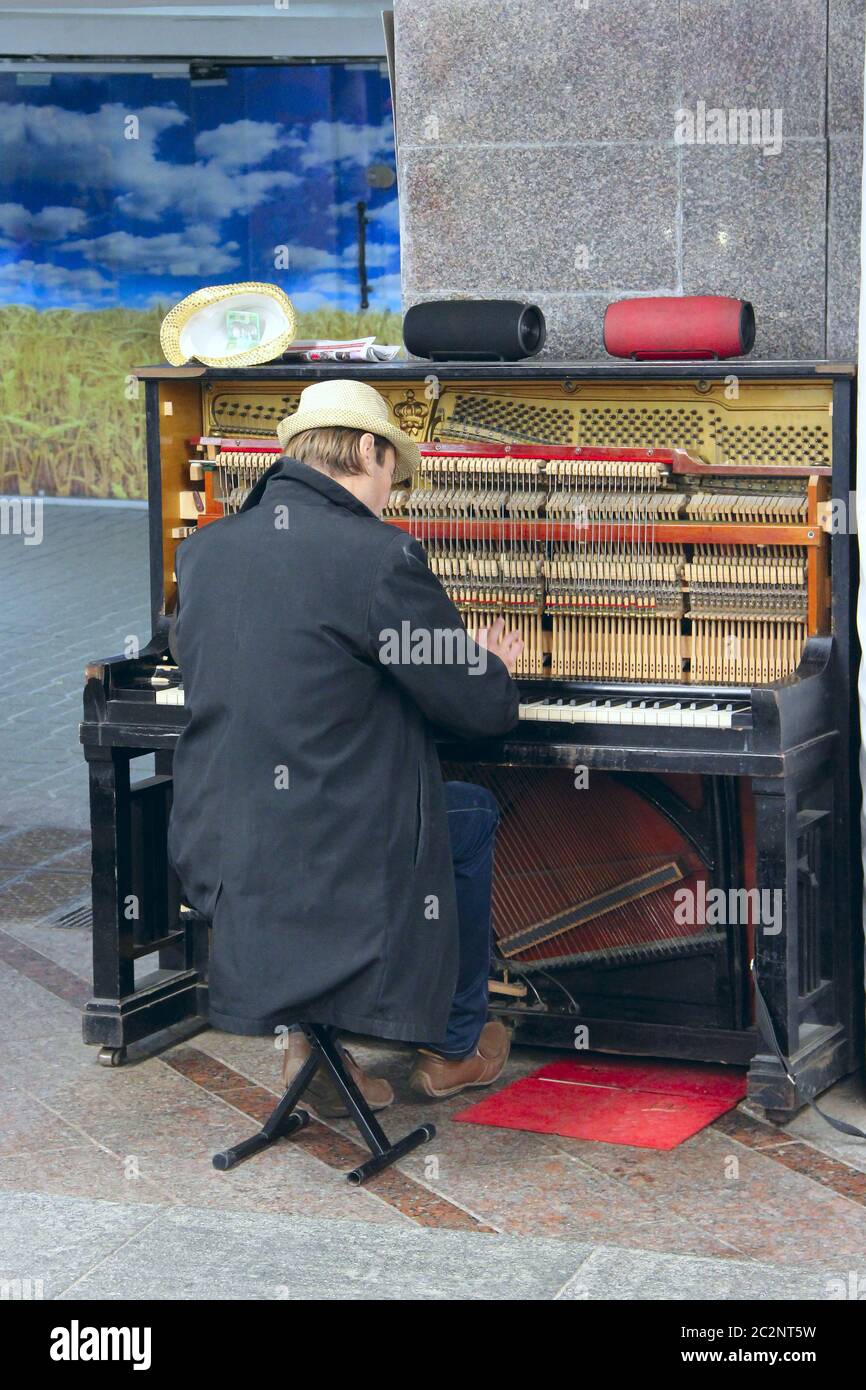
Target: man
x=347, y=885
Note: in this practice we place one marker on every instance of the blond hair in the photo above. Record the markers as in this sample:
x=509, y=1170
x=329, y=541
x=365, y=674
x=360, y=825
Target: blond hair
x=335, y=450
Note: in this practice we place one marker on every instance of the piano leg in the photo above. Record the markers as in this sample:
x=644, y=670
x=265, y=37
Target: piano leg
x=794, y=952
x=135, y=912
x=113, y=964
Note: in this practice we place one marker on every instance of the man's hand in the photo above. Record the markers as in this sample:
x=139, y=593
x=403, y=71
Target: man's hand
x=506, y=645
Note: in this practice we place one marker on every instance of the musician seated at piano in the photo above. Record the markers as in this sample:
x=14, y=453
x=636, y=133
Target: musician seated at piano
x=347, y=883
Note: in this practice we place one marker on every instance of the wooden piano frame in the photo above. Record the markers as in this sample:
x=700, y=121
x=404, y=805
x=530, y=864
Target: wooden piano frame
x=800, y=763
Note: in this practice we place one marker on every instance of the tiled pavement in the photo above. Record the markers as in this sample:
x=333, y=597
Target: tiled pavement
x=77, y=596
x=106, y=1186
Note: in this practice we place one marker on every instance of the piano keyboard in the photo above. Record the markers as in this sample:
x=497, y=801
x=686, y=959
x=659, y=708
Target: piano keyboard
x=681, y=714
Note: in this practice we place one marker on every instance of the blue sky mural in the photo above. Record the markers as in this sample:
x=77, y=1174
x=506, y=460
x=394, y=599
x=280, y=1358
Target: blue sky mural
x=136, y=189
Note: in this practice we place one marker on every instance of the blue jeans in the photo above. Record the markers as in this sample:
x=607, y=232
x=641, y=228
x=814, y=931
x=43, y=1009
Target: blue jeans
x=473, y=817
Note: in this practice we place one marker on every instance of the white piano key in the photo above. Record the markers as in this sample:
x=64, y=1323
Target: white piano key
x=695, y=714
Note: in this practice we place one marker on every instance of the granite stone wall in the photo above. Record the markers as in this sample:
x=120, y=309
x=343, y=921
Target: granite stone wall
x=573, y=152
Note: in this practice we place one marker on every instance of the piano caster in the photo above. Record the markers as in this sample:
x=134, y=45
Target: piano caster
x=111, y=1056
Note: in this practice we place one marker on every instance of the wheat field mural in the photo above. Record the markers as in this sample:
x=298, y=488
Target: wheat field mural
x=72, y=417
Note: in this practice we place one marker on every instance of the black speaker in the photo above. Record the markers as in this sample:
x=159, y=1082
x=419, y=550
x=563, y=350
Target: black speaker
x=474, y=330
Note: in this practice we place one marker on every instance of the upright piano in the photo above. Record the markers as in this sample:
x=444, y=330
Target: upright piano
x=679, y=798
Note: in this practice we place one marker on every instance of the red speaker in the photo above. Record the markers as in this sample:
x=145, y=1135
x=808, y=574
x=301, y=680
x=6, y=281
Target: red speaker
x=671, y=327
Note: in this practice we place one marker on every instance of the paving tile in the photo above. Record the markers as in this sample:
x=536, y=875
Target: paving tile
x=519, y=1186
x=52, y=1058
x=40, y=893
x=22, y=848
x=646, y=1275
x=57, y=1240
x=82, y=1170
x=336, y=1147
x=166, y=1131
x=827, y=1170
x=835, y=1160
x=281, y=1179
x=198, y=1126
x=62, y=618
x=32, y=1014
x=29, y=1127
x=99, y=1099
x=846, y=1101
x=216, y=1255
x=24, y=962
x=743, y=1198
x=70, y=947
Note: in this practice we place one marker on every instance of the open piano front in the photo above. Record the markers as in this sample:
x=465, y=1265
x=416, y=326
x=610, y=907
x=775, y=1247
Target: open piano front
x=673, y=543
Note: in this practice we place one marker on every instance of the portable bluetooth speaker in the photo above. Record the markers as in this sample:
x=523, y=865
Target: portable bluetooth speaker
x=672, y=327
x=474, y=330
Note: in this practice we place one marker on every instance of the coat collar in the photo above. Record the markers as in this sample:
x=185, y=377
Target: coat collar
x=295, y=471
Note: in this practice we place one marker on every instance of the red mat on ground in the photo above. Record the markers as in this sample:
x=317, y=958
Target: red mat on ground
x=648, y=1105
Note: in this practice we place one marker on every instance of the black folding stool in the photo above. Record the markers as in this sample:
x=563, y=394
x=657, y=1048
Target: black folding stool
x=285, y=1119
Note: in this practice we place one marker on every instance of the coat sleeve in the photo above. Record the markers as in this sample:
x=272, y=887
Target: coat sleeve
x=415, y=632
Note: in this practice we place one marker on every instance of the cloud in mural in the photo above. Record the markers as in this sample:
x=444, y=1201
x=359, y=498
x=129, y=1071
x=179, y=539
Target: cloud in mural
x=201, y=191
x=324, y=289
x=315, y=258
x=377, y=253
x=195, y=251
x=386, y=216
x=239, y=144
x=19, y=224
x=312, y=258
x=134, y=190
x=87, y=149
x=42, y=275
x=339, y=142
x=92, y=150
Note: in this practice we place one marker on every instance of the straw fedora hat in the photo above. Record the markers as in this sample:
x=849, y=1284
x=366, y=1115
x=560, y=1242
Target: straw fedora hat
x=212, y=323
x=349, y=405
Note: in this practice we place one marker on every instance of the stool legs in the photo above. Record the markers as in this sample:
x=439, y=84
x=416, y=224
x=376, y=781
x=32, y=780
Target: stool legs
x=282, y=1121
x=285, y=1119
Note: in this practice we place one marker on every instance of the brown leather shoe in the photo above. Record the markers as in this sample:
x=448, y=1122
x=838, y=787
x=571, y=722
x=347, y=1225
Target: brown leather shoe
x=322, y=1095
x=436, y=1076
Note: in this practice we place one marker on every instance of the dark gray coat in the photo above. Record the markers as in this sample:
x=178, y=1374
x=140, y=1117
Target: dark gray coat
x=309, y=820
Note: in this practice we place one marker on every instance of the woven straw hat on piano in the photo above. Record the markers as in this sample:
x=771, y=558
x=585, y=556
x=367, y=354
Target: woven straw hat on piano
x=196, y=328
x=350, y=405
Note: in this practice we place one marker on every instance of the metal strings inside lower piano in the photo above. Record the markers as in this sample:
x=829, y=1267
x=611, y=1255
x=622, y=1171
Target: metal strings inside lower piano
x=587, y=874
